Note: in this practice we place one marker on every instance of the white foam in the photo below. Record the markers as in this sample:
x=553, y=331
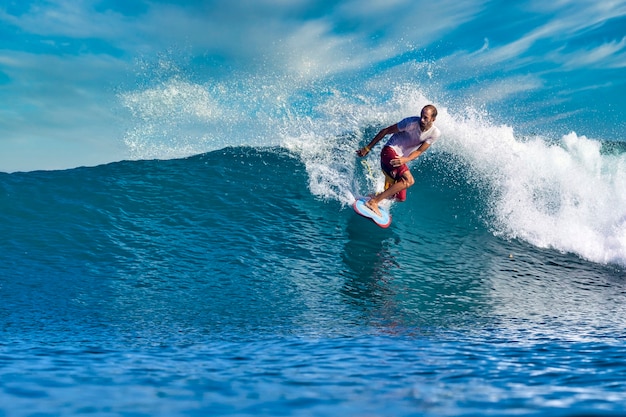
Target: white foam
x=561, y=194
x=328, y=145
x=558, y=193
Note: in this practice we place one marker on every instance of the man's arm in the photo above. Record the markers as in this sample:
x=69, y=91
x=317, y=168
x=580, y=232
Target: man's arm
x=413, y=155
x=389, y=130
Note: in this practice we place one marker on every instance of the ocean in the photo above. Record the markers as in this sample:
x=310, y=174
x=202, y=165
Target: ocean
x=221, y=284
x=218, y=268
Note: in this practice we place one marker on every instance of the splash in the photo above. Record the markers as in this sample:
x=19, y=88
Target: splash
x=344, y=123
x=319, y=122
x=171, y=119
x=176, y=117
x=563, y=194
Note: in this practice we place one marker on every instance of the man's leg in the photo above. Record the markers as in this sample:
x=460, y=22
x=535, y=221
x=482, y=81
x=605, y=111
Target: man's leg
x=389, y=181
x=405, y=182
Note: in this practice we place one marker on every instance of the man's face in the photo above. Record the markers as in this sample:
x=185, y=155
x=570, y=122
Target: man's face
x=427, y=119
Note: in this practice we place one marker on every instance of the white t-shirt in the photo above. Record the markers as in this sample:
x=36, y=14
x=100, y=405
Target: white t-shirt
x=410, y=137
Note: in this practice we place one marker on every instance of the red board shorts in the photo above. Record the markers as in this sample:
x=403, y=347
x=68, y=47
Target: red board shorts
x=392, y=174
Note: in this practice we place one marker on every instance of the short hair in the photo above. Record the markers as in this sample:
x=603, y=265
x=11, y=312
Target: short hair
x=433, y=109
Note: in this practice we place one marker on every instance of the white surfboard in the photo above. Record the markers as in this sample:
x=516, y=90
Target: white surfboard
x=384, y=220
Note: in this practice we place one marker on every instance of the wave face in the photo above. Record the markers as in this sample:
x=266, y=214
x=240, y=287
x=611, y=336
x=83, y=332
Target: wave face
x=564, y=192
x=244, y=270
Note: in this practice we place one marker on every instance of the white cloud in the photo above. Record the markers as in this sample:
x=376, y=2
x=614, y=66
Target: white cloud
x=68, y=18
x=256, y=31
x=494, y=91
x=607, y=55
x=571, y=20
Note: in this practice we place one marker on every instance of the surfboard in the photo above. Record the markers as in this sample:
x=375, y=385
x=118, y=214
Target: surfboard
x=384, y=220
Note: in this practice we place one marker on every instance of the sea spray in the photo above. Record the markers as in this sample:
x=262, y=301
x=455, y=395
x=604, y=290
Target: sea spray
x=563, y=194
x=342, y=125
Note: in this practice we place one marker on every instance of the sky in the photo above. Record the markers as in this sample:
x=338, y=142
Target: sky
x=78, y=77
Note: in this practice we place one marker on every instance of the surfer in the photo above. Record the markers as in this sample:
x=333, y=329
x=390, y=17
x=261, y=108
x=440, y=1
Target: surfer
x=410, y=138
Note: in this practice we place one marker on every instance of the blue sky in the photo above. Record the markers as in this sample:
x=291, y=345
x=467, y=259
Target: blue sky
x=70, y=68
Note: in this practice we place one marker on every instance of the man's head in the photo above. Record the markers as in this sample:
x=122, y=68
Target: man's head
x=428, y=116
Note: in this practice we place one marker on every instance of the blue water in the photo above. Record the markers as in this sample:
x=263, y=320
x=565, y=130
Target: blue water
x=219, y=284
x=176, y=182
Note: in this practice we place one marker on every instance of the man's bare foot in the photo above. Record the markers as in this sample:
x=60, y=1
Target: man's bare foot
x=372, y=205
